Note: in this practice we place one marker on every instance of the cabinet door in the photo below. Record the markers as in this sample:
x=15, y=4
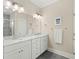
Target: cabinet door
x=26, y=51
x=38, y=47
x=35, y=48
x=23, y=52
x=12, y=55
x=44, y=43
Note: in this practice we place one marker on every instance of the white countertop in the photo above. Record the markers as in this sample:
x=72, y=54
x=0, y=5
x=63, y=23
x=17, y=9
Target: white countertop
x=11, y=41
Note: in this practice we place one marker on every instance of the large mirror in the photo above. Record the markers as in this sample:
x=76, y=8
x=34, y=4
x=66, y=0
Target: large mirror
x=17, y=24
x=7, y=22
x=14, y=24
x=14, y=19
x=7, y=30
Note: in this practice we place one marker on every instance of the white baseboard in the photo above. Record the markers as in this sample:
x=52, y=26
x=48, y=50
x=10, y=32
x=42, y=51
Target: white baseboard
x=65, y=54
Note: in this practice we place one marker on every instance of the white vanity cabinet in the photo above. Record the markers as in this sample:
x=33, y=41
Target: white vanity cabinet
x=44, y=43
x=27, y=49
x=21, y=50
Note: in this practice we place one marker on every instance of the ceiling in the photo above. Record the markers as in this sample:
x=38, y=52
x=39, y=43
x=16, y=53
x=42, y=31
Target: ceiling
x=43, y=3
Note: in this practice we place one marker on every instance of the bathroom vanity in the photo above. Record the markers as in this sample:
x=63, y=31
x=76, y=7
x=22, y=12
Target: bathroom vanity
x=16, y=44
x=25, y=47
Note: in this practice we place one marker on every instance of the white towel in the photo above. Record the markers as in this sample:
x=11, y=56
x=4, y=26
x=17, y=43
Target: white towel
x=58, y=36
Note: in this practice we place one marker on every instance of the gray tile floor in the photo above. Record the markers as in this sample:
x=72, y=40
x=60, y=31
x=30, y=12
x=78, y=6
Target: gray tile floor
x=50, y=55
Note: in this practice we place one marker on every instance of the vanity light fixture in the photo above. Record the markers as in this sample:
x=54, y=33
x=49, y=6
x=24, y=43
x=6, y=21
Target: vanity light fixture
x=37, y=16
x=14, y=6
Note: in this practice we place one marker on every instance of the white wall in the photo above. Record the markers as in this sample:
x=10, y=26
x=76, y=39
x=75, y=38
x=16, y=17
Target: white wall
x=64, y=9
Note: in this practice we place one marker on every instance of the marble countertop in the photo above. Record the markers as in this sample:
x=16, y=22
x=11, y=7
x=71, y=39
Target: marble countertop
x=10, y=41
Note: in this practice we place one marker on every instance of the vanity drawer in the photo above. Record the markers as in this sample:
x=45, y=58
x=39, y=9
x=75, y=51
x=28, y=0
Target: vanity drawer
x=14, y=46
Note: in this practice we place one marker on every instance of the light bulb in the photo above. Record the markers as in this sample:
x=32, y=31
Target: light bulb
x=39, y=17
x=35, y=15
x=15, y=7
x=8, y=4
x=21, y=10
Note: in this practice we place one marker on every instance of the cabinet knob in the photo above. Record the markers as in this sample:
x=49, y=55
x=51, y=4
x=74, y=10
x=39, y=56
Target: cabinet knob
x=20, y=51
